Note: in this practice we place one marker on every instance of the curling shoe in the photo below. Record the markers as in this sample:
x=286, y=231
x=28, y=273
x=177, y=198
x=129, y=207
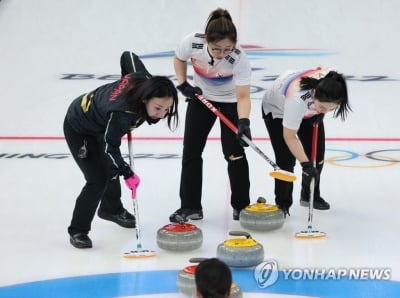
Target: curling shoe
x=319, y=204
x=124, y=219
x=80, y=240
x=185, y=214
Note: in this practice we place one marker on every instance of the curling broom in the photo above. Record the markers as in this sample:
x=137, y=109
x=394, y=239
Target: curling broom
x=278, y=172
x=139, y=252
x=310, y=233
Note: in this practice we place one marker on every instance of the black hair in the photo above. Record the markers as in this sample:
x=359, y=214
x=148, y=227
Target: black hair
x=331, y=88
x=213, y=278
x=220, y=26
x=143, y=89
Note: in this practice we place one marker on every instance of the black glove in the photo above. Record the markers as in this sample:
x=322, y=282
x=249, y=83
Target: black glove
x=243, y=129
x=318, y=118
x=125, y=171
x=188, y=90
x=309, y=172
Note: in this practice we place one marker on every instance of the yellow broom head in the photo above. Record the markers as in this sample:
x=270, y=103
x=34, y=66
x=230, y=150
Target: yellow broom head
x=283, y=175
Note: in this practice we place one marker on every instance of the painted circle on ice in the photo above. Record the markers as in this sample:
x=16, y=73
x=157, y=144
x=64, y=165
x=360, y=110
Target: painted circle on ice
x=126, y=284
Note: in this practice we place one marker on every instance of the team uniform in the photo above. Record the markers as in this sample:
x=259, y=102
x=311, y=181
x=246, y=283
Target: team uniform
x=285, y=105
x=93, y=127
x=217, y=79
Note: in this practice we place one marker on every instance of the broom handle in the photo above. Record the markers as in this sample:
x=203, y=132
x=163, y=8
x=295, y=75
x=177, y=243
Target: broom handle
x=314, y=143
x=135, y=203
x=235, y=130
x=314, y=161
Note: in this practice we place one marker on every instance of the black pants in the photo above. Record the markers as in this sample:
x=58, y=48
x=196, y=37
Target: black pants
x=98, y=187
x=286, y=161
x=198, y=123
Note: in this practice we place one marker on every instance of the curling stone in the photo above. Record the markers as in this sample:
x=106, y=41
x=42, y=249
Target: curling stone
x=185, y=280
x=240, y=252
x=261, y=216
x=186, y=283
x=179, y=237
x=236, y=291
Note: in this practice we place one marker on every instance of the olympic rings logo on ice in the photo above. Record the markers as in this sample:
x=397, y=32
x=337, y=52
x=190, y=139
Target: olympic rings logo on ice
x=266, y=273
x=375, y=159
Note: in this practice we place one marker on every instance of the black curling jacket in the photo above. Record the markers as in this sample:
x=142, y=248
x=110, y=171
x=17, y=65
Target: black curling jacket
x=104, y=111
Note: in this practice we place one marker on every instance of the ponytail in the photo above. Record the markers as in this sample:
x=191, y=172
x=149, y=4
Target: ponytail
x=331, y=88
x=307, y=83
x=220, y=26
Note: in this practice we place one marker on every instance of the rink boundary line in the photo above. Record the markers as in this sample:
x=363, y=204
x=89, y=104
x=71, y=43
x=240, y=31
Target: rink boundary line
x=50, y=138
